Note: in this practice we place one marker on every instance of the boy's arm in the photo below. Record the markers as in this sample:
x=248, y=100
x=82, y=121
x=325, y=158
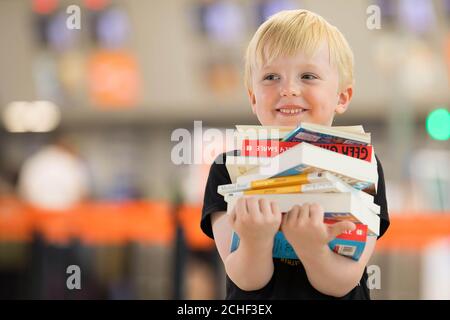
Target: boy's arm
x=250, y=266
x=328, y=272
x=333, y=274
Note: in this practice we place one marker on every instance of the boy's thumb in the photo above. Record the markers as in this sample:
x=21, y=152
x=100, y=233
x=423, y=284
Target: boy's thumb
x=340, y=227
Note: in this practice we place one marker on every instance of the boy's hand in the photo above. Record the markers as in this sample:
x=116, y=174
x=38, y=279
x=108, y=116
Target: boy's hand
x=255, y=220
x=304, y=228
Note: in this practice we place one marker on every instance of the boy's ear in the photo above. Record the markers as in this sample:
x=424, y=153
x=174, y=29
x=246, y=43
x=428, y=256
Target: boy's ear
x=252, y=98
x=344, y=99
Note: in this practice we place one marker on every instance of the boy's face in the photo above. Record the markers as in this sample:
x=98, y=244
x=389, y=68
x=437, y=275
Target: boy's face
x=297, y=89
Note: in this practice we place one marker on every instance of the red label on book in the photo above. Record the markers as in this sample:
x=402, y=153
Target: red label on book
x=271, y=148
x=359, y=234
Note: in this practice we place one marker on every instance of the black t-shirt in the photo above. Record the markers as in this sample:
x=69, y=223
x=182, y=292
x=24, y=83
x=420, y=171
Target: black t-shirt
x=289, y=280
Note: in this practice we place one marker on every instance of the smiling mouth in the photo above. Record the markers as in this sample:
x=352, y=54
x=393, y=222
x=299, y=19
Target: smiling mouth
x=291, y=111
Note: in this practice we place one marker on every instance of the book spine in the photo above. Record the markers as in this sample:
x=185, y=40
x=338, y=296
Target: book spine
x=265, y=148
x=284, y=181
x=355, y=183
x=303, y=188
x=299, y=179
x=320, y=187
x=233, y=187
x=271, y=148
x=277, y=190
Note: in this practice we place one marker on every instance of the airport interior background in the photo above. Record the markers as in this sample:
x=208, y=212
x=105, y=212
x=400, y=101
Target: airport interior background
x=95, y=94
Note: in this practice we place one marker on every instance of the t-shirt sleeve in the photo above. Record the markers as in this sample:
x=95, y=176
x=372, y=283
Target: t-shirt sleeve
x=212, y=201
x=380, y=199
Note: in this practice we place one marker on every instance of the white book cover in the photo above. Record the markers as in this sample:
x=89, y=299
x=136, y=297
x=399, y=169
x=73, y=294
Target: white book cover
x=339, y=206
x=318, y=187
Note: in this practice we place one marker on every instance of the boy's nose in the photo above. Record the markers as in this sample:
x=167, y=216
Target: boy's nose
x=290, y=90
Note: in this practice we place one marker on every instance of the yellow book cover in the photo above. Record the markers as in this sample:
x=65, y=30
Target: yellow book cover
x=284, y=181
x=298, y=179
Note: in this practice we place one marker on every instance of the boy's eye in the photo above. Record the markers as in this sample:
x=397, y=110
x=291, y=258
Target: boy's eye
x=271, y=77
x=309, y=76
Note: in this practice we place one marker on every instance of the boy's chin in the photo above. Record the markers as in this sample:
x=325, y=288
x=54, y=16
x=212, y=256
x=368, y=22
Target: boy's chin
x=289, y=121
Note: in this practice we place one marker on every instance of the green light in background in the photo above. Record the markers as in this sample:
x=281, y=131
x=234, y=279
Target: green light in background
x=438, y=124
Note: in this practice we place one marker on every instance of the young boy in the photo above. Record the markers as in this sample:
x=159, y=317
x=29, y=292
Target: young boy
x=298, y=68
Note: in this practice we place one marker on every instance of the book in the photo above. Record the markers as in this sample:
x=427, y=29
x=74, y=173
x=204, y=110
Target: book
x=299, y=188
x=302, y=178
x=271, y=148
x=305, y=158
x=350, y=244
x=336, y=206
x=283, y=130
x=310, y=132
x=318, y=187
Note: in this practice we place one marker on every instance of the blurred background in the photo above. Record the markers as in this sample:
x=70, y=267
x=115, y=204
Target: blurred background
x=91, y=92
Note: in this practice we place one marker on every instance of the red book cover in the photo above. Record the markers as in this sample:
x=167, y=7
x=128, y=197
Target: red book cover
x=271, y=148
x=359, y=234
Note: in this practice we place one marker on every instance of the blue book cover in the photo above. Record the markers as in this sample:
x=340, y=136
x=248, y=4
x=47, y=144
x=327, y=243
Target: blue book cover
x=301, y=134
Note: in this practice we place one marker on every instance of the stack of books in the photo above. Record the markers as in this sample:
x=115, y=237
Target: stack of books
x=332, y=166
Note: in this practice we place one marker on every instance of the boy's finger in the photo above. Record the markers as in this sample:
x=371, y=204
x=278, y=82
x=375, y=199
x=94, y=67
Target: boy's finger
x=264, y=206
x=253, y=207
x=241, y=207
x=303, y=217
x=293, y=214
x=275, y=208
x=316, y=213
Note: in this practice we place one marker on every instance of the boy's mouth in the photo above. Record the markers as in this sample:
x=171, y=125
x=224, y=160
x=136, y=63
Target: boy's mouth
x=291, y=111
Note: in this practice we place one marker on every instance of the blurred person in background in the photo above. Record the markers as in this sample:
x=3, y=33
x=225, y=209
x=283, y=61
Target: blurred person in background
x=55, y=177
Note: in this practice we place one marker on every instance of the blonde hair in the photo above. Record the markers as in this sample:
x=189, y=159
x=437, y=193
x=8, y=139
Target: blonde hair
x=287, y=32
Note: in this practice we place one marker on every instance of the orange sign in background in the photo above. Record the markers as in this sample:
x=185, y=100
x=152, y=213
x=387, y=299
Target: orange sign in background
x=114, y=80
x=103, y=223
x=414, y=231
